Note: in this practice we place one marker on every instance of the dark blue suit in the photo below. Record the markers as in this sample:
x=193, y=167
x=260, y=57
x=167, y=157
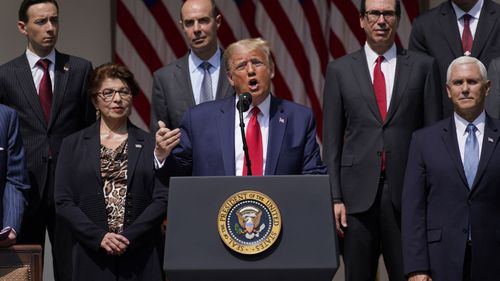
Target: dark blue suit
x=207, y=141
x=13, y=173
x=438, y=207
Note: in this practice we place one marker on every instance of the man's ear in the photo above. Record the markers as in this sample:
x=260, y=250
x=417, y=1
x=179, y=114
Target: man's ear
x=21, y=26
x=230, y=78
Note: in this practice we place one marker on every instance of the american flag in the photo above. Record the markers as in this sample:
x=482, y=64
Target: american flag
x=304, y=36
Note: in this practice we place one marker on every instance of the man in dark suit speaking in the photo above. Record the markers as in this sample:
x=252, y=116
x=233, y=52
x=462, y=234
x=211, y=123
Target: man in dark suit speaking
x=281, y=135
x=373, y=100
x=48, y=90
x=451, y=195
x=13, y=177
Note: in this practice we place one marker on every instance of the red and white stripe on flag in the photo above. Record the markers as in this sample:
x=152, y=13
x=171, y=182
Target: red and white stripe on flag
x=304, y=36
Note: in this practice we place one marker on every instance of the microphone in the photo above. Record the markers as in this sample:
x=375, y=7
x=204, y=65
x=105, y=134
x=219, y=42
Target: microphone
x=244, y=102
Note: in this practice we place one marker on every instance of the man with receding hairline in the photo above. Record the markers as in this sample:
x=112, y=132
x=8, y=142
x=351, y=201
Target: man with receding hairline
x=198, y=76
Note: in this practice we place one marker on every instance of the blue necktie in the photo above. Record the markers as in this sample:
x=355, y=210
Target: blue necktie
x=206, y=83
x=471, y=154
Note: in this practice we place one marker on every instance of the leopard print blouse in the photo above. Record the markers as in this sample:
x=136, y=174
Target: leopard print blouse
x=114, y=174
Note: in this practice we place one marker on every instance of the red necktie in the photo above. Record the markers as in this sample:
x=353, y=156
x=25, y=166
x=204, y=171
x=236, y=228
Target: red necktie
x=45, y=88
x=379, y=88
x=467, y=35
x=380, y=95
x=254, y=142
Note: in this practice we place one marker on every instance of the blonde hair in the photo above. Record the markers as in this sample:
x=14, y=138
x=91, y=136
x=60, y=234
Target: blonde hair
x=250, y=44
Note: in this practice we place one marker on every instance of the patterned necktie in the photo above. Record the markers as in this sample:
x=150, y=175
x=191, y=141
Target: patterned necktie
x=467, y=35
x=254, y=143
x=379, y=88
x=471, y=154
x=45, y=89
x=206, y=83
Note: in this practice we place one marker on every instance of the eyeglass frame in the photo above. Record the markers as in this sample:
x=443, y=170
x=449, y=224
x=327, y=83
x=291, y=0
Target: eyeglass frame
x=125, y=93
x=388, y=16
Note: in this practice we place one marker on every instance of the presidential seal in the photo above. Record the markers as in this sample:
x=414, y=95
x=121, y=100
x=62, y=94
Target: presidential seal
x=249, y=222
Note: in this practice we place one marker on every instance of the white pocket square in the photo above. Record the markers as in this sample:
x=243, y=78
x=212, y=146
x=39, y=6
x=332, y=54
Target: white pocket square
x=1, y=148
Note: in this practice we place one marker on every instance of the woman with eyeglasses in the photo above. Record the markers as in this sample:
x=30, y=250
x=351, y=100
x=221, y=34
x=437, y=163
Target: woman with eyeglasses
x=106, y=189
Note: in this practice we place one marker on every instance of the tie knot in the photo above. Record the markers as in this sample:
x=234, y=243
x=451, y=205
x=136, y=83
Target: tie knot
x=44, y=63
x=255, y=111
x=205, y=65
x=380, y=59
x=471, y=128
x=466, y=18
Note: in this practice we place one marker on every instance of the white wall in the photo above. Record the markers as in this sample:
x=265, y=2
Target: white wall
x=85, y=30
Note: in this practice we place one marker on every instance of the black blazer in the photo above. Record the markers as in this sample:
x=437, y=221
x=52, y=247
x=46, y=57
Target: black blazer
x=438, y=205
x=354, y=134
x=80, y=202
x=71, y=111
x=436, y=33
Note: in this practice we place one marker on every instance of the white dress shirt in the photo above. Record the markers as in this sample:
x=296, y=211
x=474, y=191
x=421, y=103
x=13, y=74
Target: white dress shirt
x=388, y=67
x=461, y=126
x=475, y=12
x=263, y=119
x=196, y=73
x=37, y=71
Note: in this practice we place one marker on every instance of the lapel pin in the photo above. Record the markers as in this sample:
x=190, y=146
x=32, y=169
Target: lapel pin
x=66, y=67
x=281, y=120
x=490, y=139
x=1, y=148
x=138, y=145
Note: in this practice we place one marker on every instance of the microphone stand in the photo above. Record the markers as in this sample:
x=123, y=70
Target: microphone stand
x=244, y=139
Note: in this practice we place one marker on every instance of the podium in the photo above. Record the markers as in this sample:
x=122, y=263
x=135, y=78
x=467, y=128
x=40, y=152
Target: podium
x=304, y=250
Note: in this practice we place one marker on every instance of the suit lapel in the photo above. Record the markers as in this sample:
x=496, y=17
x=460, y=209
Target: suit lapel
x=223, y=85
x=490, y=140
x=93, y=149
x=135, y=147
x=225, y=129
x=28, y=88
x=448, y=22
x=449, y=137
x=277, y=127
x=363, y=79
x=183, y=76
x=403, y=67
x=486, y=23
x=61, y=75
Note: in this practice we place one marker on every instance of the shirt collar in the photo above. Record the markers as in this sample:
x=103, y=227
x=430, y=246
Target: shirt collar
x=389, y=56
x=34, y=58
x=461, y=123
x=195, y=61
x=264, y=106
x=474, y=12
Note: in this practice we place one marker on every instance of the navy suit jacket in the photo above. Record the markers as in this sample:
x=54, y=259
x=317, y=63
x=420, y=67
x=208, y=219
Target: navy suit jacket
x=207, y=141
x=438, y=207
x=13, y=173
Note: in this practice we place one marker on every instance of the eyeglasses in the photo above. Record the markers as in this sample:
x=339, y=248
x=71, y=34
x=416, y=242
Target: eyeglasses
x=373, y=16
x=108, y=94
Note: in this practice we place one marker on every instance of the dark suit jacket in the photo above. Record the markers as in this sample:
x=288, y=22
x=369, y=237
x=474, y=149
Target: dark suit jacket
x=436, y=34
x=438, y=205
x=71, y=110
x=13, y=173
x=492, y=103
x=80, y=202
x=207, y=141
x=354, y=134
x=173, y=92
